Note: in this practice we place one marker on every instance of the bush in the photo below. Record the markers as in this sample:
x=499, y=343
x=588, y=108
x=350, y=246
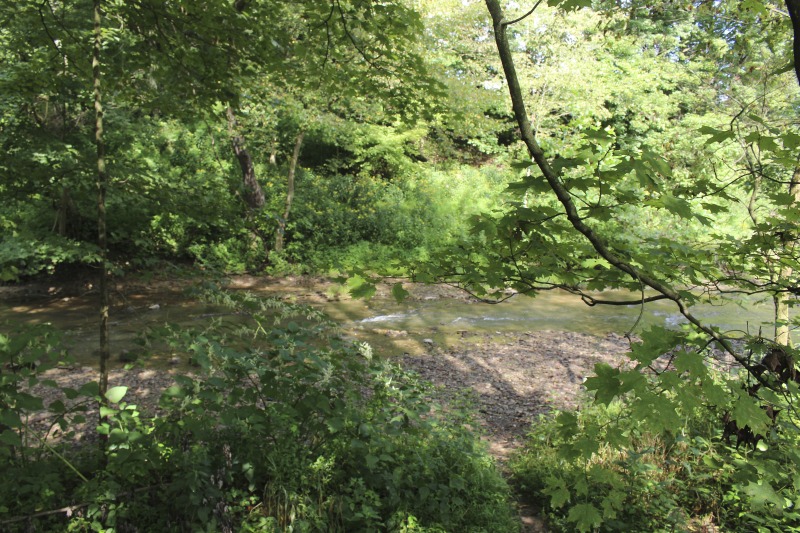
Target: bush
x=574, y=466
x=284, y=427
x=22, y=256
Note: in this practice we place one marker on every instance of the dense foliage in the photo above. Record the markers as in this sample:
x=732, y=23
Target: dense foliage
x=281, y=426
x=650, y=147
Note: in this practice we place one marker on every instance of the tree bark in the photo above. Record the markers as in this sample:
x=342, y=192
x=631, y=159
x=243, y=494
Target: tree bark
x=782, y=299
x=279, y=234
x=793, y=7
x=102, y=183
x=65, y=209
x=253, y=193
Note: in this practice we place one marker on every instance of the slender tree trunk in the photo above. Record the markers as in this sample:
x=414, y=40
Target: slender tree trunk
x=273, y=152
x=65, y=208
x=253, y=193
x=102, y=180
x=279, y=234
x=781, y=299
x=793, y=7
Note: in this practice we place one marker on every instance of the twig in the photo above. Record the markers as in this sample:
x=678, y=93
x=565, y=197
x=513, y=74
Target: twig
x=526, y=15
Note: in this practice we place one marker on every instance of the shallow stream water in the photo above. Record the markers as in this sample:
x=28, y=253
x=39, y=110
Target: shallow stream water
x=561, y=312
x=429, y=315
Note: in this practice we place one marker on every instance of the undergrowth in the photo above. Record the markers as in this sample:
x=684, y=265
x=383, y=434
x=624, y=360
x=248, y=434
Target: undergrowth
x=284, y=426
x=687, y=479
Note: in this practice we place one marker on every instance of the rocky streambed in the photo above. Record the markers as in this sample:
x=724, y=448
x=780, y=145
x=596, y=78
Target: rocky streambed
x=513, y=378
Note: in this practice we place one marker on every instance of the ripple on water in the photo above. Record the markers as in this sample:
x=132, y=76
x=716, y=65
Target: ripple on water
x=384, y=318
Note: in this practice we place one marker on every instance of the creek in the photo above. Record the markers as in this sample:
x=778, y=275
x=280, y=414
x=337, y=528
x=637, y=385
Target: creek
x=398, y=327
x=560, y=311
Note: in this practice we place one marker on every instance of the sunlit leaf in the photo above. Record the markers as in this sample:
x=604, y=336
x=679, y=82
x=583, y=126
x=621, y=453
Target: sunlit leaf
x=115, y=394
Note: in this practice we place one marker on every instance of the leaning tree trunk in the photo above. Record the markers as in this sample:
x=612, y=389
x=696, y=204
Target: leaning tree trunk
x=253, y=193
x=617, y=260
x=279, y=234
x=102, y=181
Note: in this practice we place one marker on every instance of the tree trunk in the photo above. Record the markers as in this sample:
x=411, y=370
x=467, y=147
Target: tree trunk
x=793, y=7
x=102, y=181
x=781, y=299
x=273, y=152
x=253, y=193
x=279, y=234
x=65, y=208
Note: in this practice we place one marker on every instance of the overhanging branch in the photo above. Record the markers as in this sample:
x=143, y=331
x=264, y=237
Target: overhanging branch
x=562, y=193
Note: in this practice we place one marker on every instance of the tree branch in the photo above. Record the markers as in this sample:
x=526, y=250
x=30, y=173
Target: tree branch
x=526, y=15
x=562, y=193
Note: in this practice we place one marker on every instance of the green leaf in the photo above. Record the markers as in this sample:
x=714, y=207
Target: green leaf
x=57, y=407
x=522, y=165
x=560, y=163
x=557, y=490
x=673, y=204
x=748, y=412
x=569, y=5
x=658, y=163
x=10, y=419
x=716, y=135
x=361, y=288
x=483, y=225
x=655, y=342
x=791, y=140
x=335, y=424
x=115, y=394
x=399, y=293
x=90, y=389
x=586, y=516
x=605, y=383
x=788, y=67
x=761, y=494
x=644, y=175
x=372, y=461
x=10, y=438
x=567, y=424
x=691, y=363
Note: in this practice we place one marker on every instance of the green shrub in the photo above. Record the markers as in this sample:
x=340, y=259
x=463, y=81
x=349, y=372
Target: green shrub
x=284, y=426
x=28, y=255
x=576, y=467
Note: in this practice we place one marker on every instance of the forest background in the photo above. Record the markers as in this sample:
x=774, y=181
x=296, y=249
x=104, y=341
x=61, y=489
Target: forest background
x=659, y=155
